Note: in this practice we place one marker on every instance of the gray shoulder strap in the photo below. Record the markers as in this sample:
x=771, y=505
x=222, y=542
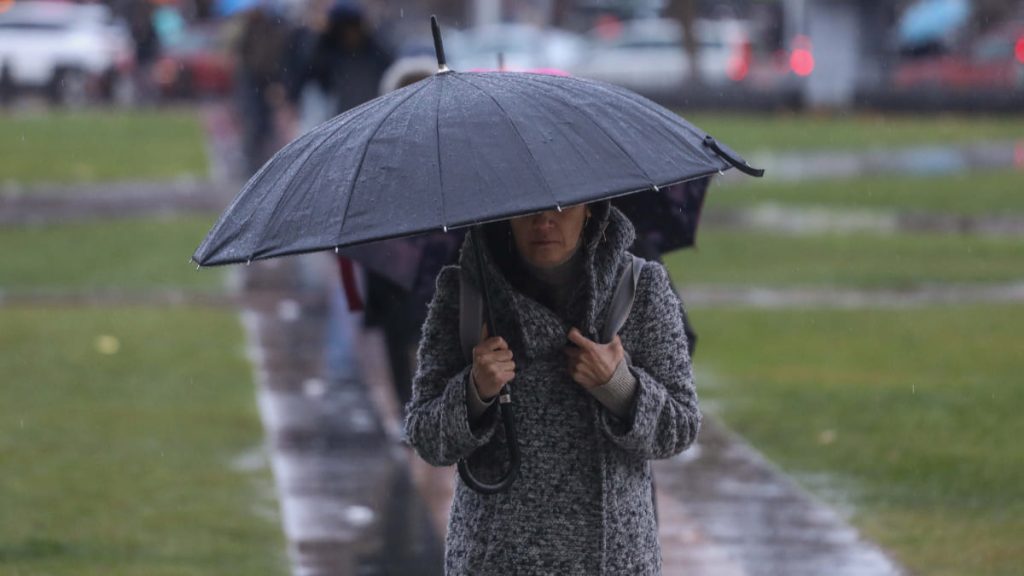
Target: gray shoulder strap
x=471, y=314
x=622, y=299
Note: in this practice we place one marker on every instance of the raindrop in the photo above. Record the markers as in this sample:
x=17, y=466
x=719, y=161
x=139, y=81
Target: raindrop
x=559, y=208
x=336, y=248
x=655, y=188
x=359, y=515
x=288, y=310
x=314, y=387
x=248, y=262
x=445, y=228
x=198, y=266
x=721, y=172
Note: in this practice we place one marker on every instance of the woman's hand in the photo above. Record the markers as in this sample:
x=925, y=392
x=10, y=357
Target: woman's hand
x=492, y=366
x=592, y=364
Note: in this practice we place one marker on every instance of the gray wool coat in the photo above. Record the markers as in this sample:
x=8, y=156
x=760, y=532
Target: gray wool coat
x=582, y=503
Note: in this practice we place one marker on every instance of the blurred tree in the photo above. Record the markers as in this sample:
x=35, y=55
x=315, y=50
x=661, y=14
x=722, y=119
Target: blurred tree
x=685, y=11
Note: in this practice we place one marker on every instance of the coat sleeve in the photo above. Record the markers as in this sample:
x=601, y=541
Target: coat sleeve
x=664, y=417
x=437, y=422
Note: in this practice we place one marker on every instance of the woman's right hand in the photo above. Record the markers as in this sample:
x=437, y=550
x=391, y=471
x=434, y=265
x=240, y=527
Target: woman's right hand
x=492, y=366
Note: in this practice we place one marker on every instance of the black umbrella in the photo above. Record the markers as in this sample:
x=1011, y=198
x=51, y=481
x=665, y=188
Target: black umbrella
x=460, y=149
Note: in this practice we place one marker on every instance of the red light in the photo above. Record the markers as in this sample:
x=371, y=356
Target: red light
x=739, y=63
x=801, y=60
x=1019, y=50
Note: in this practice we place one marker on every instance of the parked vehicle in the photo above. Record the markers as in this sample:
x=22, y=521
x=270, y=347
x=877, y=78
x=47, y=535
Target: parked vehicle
x=993, y=61
x=73, y=53
x=649, y=55
x=523, y=47
x=195, y=66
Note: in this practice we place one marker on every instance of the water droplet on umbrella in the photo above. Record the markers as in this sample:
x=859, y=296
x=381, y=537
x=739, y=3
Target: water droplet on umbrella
x=655, y=188
x=336, y=249
x=445, y=228
x=248, y=262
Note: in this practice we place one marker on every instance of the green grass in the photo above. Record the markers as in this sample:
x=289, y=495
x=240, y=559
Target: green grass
x=974, y=193
x=121, y=463
x=856, y=261
x=923, y=408
x=130, y=254
x=102, y=146
x=748, y=133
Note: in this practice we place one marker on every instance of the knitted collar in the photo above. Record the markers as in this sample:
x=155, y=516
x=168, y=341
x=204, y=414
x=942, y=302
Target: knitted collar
x=605, y=242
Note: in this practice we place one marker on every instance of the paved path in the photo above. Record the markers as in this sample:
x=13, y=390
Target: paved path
x=355, y=501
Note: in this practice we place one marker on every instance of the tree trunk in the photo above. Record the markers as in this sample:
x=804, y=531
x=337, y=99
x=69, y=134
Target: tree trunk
x=685, y=11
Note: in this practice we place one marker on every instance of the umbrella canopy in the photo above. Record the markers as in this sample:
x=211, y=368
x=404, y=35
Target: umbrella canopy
x=458, y=149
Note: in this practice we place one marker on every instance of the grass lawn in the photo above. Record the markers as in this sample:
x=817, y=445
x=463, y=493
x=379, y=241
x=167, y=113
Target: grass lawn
x=855, y=261
x=911, y=416
x=998, y=192
x=748, y=133
x=119, y=436
x=102, y=146
x=130, y=254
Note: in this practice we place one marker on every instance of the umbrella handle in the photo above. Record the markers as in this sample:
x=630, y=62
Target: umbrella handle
x=732, y=159
x=508, y=417
x=505, y=404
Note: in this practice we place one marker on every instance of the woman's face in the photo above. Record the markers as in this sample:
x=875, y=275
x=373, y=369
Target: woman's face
x=547, y=239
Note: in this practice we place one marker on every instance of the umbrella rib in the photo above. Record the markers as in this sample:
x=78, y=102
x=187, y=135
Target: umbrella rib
x=366, y=148
x=437, y=146
x=540, y=173
x=609, y=136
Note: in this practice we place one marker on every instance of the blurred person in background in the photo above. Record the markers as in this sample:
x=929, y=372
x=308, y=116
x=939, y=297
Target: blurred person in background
x=147, y=48
x=258, y=81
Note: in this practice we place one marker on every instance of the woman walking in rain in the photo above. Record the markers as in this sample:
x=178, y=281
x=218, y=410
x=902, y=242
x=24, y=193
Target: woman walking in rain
x=591, y=414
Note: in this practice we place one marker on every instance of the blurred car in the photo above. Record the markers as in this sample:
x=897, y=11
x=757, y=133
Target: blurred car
x=649, y=55
x=523, y=47
x=73, y=52
x=195, y=66
x=993, y=61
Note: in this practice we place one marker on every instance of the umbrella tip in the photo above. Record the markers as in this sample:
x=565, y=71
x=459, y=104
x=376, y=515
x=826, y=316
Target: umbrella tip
x=435, y=29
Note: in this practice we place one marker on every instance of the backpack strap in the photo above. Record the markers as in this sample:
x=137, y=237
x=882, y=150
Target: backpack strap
x=471, y=315
x=622, y=299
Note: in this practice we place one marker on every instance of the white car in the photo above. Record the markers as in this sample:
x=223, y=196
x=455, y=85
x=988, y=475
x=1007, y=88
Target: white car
x=73, y=51
x=523, y=47
x=648, y=55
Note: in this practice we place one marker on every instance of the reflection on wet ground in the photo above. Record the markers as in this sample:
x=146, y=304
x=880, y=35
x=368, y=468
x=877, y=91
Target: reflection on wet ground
x=914, y=160
x=355, y=501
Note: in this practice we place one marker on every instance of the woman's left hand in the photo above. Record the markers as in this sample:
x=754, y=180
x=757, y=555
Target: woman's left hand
x=592, y=364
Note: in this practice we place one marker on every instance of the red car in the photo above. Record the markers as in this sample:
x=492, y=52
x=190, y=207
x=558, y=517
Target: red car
x=993, y=61
x=195, y=66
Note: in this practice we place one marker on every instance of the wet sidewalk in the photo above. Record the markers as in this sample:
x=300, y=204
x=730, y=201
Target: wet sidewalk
x=356, y=502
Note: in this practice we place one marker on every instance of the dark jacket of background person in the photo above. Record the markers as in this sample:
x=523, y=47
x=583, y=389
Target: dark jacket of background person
x=348, y=62
x=259, y=57
x=583, y=501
